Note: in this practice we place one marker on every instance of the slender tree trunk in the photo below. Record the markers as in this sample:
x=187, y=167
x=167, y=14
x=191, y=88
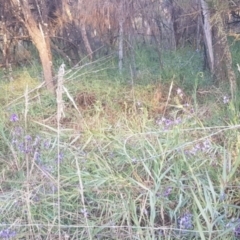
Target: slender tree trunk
x=198, y=33
x=158, y=41
x=207, y=33
x=120, y=46
x=169, y=15
x=133, y=67
x=85, y=40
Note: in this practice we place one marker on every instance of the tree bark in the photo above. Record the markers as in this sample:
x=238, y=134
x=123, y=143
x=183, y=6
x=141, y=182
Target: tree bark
x=222, y=56
x=40, y=38
x=42, y=44
x=120, y=46
x=86, y=40
x=207, y=33
x=218, y=51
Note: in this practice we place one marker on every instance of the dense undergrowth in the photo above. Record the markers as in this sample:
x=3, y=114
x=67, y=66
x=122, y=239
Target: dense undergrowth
x=150, y=157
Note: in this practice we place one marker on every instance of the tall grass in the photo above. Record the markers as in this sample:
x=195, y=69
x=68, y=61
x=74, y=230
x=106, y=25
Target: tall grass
x=121, y=167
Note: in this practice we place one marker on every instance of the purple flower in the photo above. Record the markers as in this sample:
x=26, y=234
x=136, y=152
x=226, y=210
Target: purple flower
x=84, y=212
x=199, y=147
x=21, y=147
x=7, y=233
x=167, y=192
x=28, y=138
x=237, y=229
x=167, y=123
x=206, y=145
x=185, y=222
x=60, y=157
x=37, y=156
x=18, y=131
x=14, y=117
x=46, y=144
x=177, y=121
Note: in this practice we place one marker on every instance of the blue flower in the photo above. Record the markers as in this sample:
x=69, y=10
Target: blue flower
x=28, y=138
x=237, y=229
x=7, y=233
x=14, y=117
x=46, y=144
x=167, y=192
x=60, y=157
x=185, y=221
x=37, y=156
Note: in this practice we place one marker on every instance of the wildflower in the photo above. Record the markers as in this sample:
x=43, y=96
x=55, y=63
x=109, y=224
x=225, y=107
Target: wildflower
x=167, y=192
x=46, y=169
x=167, y=123
x=37, y=156
x=177, y=121
x=7, y=233
x=226, y=99
x=36, y=141
x=185, y=222
x=160, y=121
x=237, y=230
x=28, y=138
x=134, y=160
x=84, y=212
x=21, y=147
x=180, y=92
x=18, y=131
x=199, y=147
x=60, y=157
x=14, y=117
x=46, y=144
x=206, y=145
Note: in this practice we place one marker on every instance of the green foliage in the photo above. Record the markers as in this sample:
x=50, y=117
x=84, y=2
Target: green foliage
x=184, y=66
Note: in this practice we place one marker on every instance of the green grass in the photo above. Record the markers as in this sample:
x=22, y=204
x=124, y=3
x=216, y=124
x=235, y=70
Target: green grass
x=117, y=169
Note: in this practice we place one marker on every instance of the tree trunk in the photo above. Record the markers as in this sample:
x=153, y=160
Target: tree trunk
x=42, y=43
x=85, y=40
x=207, y=33
x=222, y=56
x=218, y=51
x=133, y=67
x=167, y=20
x=39, y=36
x=46, y=59
x=120, y=46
